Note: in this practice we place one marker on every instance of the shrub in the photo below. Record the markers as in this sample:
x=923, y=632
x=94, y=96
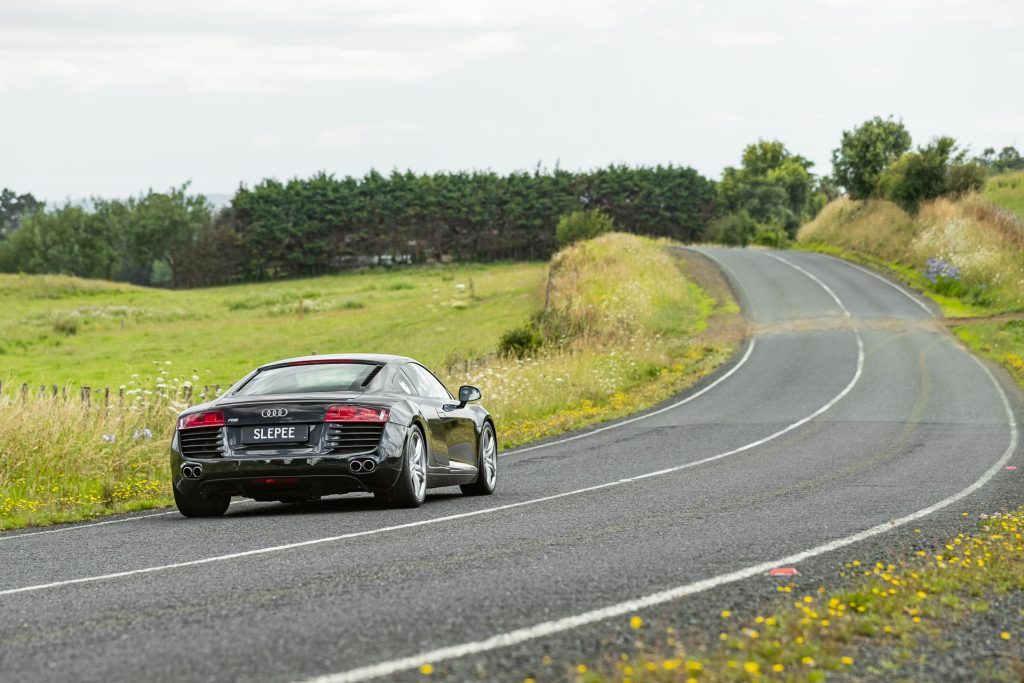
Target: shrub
x=582, y=225
x=964, y=178
x=520, y=342
x=736, y=229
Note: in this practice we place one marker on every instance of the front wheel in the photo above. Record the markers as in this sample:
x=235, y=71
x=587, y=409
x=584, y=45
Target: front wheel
x=411, y=488
x=214, y=505
x=487, y=465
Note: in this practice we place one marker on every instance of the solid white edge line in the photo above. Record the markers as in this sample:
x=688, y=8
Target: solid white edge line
x=623, y=423
x=460, y=515
x=902, y=290
x=76, y=527
x=631, y=606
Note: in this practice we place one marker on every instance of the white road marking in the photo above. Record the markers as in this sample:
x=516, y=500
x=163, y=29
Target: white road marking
x=462, y=515
x=548, y=628
x=13, y=536
x=878, y=277
x=811, y=275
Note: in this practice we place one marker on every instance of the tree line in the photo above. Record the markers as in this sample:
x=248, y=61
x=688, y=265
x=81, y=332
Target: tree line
x=325, y=223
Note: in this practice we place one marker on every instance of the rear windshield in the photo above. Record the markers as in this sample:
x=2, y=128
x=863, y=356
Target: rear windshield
x=302, y=379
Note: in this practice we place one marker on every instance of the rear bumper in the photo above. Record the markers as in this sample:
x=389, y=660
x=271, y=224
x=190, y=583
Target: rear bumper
x=306, y=475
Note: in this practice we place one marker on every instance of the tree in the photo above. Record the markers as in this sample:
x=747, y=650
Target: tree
x=772, y=187
x=865, y=152
x=14, y=208
x=920, y=175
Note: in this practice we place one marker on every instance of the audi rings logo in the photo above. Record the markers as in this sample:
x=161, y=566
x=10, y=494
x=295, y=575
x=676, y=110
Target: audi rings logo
x=274, y=412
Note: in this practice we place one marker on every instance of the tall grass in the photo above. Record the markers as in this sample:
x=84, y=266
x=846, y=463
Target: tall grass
x=968, y=248
x=636, y=326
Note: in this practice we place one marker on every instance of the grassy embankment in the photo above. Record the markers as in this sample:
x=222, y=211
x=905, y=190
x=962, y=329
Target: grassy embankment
x=636, y=334
x=872, y=628
x=980, y=236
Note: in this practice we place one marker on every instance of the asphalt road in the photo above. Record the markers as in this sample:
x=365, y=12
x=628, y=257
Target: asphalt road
x=850, y=413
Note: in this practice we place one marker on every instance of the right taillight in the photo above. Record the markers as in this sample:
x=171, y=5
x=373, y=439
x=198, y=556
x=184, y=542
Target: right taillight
x=213, y=418
x=356, y=414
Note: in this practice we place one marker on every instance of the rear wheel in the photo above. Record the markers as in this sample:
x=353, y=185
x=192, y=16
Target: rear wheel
x=411, y=488
x=214, y=505
x=487, y=465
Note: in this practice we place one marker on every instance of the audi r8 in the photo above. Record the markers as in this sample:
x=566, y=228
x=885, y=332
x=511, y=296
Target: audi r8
x=303, y=428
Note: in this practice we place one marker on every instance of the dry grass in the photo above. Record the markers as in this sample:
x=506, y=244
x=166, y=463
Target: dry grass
x=984, y=242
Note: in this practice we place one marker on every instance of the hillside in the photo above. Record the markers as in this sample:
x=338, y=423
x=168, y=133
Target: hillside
x=966, y=252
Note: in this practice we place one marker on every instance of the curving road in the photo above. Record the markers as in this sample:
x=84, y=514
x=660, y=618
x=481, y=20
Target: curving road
x=849, y=413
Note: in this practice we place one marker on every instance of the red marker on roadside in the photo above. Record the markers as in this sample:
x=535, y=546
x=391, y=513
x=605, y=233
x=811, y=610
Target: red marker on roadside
x=783, y=571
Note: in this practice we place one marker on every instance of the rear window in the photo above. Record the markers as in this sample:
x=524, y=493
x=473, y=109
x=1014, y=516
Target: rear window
x=303, y=379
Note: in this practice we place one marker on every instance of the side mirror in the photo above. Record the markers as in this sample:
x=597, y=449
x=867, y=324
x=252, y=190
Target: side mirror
x=467, y=394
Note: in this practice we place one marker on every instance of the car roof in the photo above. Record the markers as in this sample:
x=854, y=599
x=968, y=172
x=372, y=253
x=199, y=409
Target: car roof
x=368, y=357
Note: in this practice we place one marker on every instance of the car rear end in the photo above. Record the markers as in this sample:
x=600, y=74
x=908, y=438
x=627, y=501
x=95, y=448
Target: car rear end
x=288, y=446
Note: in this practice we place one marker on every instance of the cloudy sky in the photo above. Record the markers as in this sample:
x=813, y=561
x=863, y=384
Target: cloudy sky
x=110, y=97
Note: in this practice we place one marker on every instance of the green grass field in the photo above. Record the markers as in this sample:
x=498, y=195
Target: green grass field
x=639, y=334
x=1007, y=192
x=56, y=329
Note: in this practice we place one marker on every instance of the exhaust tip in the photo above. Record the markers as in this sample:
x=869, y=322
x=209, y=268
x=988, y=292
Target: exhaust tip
x=356, y=466
x=369, y=466
x=192, y=471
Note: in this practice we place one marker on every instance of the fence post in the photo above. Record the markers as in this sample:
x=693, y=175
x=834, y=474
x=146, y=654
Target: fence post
x=64, y=393
x=24, y=393
x=53, y=390
x=120, y=396
x=42, y=391
x=547, y=294
x=106, y=397
x=86, y=394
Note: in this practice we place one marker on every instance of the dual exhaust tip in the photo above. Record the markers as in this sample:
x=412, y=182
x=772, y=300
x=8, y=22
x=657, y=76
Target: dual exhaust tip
x=364, y=465
x=191, y=471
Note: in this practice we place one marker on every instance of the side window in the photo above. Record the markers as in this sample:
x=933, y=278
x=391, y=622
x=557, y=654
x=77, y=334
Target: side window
x=403, y=382
x=426, y=384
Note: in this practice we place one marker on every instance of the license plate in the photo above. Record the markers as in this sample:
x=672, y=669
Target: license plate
x=275, y=434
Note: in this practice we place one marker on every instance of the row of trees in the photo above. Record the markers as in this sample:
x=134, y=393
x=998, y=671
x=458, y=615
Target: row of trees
x=325, y=224
x=145, y=240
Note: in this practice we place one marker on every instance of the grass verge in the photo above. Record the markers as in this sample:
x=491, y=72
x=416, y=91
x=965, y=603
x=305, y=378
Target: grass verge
x=868, y=627
x=632, y=330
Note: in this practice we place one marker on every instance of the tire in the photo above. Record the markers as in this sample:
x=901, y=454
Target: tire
x=197, y=506
x=411, y=488
x=487, y=465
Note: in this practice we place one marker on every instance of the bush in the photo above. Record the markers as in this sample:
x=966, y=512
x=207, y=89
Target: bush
x=770, y=237
x=964, y=178
x=735, y=229
x=521, y=341
x=582, y=225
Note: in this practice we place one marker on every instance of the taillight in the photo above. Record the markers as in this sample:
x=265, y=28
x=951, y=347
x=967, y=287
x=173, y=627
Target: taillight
x=214, y=418
x=356, y=414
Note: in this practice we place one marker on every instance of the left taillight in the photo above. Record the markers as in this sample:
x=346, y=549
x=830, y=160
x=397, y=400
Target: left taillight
x=356, y=414
x=213, y=418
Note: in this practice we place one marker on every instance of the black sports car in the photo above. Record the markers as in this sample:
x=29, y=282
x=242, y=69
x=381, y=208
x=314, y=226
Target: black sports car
x=302, y=428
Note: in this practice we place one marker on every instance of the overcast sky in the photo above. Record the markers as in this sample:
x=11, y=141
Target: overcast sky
x=110, y=97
